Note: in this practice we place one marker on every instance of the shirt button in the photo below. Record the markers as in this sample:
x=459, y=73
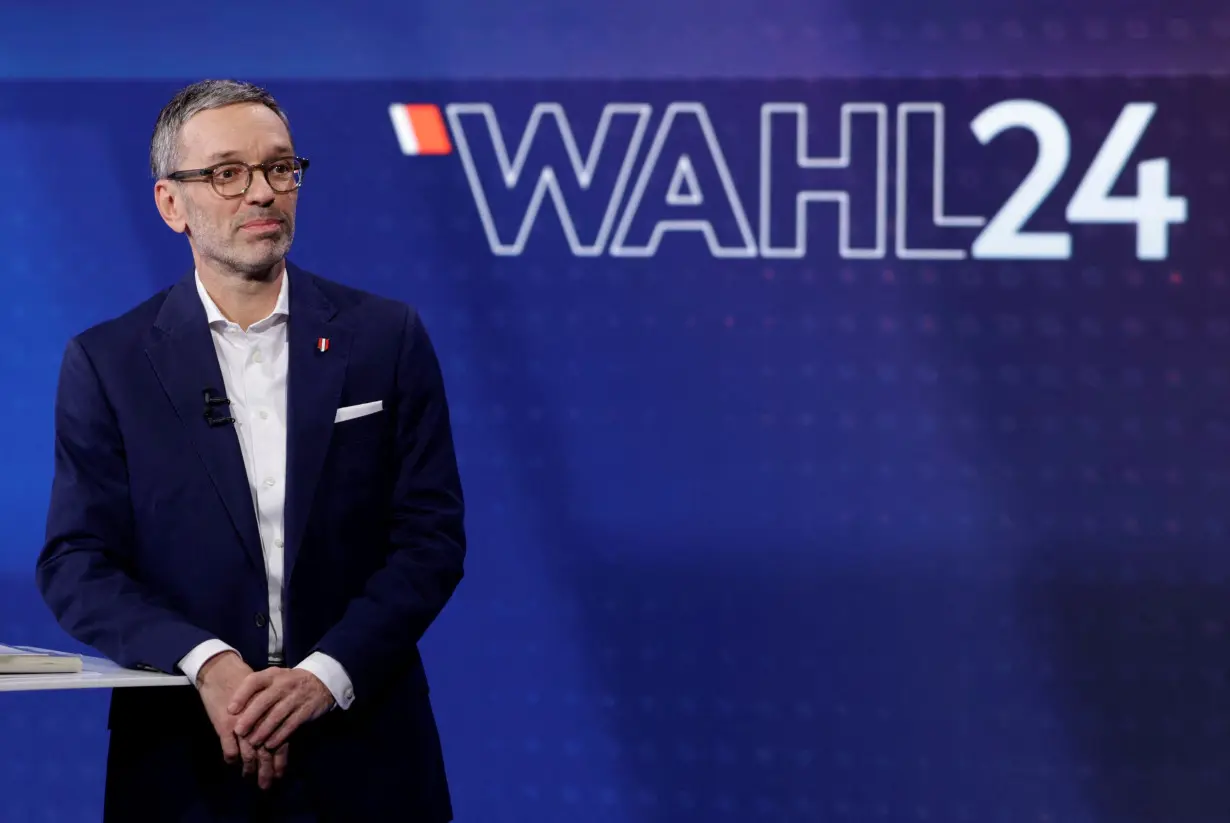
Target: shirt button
x=348, y=694
x=257, y=356
x=269, y=481
x=280, y=543
x=264, y=415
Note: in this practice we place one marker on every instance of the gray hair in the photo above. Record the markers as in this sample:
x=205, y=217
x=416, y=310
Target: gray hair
x=192, y=100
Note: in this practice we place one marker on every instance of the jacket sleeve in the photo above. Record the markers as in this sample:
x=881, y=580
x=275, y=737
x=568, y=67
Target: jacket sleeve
x=84, y=570
x=425, y=564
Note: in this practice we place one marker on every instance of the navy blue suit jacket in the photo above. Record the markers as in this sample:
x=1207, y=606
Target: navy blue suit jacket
x=152, y=544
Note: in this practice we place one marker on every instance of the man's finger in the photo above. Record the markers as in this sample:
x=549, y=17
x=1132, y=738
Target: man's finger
x=230, y=747
x=264, y=775
x=273, y=718
x=296, y=719
x=279, y=762
x=251, y=684
x=249, y=756
x=265, y=700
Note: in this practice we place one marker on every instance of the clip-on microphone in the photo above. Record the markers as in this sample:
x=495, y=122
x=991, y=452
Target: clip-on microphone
x=210, y=402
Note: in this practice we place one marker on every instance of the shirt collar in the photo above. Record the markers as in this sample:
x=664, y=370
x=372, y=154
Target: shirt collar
x=214, y=315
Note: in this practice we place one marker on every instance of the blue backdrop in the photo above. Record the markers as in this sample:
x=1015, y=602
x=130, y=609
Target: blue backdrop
x=840, y=388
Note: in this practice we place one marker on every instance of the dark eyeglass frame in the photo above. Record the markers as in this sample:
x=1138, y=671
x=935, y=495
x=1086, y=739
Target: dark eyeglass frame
x=207, y=174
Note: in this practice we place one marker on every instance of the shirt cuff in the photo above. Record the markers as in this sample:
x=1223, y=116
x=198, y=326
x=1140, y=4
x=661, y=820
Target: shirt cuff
x=331, y=673
x=193, y=661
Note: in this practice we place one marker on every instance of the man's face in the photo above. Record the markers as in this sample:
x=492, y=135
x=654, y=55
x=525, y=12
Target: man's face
x=247, y=235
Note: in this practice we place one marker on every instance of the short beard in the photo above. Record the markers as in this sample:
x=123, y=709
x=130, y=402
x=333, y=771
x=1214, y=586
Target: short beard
x=217, y=251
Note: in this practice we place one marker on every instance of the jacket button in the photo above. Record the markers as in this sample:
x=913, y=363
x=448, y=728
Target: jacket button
x=260, y=620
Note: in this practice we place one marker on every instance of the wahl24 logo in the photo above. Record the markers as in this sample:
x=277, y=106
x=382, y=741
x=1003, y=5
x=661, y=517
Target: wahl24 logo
x=611, y=218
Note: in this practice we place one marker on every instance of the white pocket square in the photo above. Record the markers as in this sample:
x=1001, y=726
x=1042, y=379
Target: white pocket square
x=351, y=412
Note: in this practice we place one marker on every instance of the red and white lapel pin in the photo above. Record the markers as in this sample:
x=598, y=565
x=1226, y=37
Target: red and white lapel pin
x=322, y=344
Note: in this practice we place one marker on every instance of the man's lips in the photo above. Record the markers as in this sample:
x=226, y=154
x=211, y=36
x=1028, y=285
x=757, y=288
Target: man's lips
x=261, y=225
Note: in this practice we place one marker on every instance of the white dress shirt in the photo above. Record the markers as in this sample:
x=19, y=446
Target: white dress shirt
x=254, y=368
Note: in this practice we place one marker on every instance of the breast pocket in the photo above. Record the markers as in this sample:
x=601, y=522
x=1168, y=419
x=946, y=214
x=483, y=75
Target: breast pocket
x=361, y=449
x=360, y=422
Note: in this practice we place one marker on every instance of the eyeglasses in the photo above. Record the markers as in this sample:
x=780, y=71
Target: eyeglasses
x=232, y=179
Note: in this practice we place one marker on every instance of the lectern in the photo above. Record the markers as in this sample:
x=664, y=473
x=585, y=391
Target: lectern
x=96, y=673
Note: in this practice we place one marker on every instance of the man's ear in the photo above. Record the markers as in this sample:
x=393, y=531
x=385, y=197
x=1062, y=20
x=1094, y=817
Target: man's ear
x=169, y=199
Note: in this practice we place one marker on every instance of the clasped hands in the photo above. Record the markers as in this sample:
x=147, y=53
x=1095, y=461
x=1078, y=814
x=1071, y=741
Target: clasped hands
x=255, y=713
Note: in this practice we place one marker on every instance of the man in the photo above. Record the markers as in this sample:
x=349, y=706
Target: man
x=255, y=485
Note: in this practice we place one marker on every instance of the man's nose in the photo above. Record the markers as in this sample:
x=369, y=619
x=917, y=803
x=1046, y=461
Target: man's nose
x=260, y=192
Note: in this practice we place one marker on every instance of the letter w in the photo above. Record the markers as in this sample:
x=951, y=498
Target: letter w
x=513, y=171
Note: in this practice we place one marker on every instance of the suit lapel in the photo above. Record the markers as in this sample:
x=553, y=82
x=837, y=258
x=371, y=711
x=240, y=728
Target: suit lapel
x=314, y=387
x=182, y=352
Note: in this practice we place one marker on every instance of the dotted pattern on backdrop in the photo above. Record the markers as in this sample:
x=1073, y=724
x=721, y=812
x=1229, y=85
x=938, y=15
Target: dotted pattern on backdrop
x=772, y=540
x=952, y=522
x=548, y=39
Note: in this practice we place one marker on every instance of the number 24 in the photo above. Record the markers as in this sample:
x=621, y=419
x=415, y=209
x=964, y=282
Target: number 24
x=1152, y=208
